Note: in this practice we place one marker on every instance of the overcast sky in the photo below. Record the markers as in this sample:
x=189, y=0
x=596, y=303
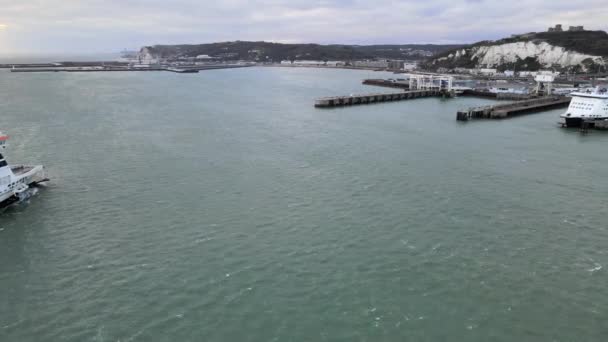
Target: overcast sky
x=97, y=26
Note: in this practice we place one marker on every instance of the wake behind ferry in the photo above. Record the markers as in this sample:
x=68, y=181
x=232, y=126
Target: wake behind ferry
x=15, y=180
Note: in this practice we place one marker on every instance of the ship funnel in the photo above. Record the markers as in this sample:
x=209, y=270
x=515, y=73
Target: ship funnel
x=3, y=139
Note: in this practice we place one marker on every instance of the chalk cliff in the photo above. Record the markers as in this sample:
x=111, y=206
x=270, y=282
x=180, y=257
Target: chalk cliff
x=577, y=51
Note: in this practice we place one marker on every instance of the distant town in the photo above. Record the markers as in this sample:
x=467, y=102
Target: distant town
x=563, y=52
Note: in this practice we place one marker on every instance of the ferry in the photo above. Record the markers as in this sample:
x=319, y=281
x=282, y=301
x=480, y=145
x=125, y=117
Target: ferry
x=15, y=180
x=590, y=106
x=505, y=90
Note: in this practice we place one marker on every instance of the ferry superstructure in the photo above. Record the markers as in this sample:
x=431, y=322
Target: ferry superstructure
x=588, y=106
x=15, y=180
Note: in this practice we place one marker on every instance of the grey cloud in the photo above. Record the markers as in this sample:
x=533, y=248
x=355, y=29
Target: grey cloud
x=110, y=25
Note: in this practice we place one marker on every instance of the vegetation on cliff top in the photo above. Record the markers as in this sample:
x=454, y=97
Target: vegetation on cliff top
x=276, y=52
x=586, y=42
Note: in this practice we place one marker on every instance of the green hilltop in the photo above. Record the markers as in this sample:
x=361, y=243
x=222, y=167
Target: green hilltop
x=594, y=43
x=276, y=52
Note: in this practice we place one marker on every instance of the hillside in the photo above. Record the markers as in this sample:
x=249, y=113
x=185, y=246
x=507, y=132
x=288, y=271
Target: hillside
x=276, y=52
x=572, y=51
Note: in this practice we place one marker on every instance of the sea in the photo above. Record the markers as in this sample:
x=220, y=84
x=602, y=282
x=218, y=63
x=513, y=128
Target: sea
x=222, y=206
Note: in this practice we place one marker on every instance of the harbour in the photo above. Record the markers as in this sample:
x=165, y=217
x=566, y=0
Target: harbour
x=510, y=103
x=294, y=171
x=378, y=203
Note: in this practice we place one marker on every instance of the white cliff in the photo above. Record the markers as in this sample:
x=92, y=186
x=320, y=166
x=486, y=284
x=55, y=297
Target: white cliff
x=546, y=54
x=146, y=56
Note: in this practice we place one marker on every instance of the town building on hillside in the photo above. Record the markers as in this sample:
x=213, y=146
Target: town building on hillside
x=549, y=72
x=313, y=63
x=409, y=66
x=487, y=72
x=396, y=64
x=557, y=28
x=380, y=64
x=464, y=70
x=308, y=63
x=527, y=73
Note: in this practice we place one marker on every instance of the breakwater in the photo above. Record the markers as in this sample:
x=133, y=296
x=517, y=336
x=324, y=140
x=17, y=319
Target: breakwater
x=349, y=100
x=505, y=110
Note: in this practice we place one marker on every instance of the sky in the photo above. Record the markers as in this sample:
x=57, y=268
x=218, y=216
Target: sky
x=105, y=26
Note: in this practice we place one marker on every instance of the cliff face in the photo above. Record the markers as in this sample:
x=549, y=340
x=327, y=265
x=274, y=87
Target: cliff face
x=546, y=54
x=541, y=51
x=145, y=55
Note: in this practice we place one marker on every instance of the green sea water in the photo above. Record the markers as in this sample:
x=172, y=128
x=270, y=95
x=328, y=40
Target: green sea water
x=222, y=206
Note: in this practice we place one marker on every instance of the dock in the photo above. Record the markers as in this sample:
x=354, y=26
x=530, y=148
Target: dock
x=502, y=111
x=403, y=84
x=350, y=100
x=183, y=71
x=498, y=96
x=590, y=124
x=82, y=69
x=386, y=83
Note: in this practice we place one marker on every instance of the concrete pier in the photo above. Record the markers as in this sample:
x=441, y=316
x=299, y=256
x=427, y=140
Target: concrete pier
x=386, y=83
x=183, y=71
x=83, y=69
x=502, y=111
x=338, y=101
x=402, y=84
x=498, y=96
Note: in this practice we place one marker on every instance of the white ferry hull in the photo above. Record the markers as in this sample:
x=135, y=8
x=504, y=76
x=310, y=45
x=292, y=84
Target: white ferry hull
x=24, y=177
x=15, y=180
x=586, y=107
x=572, y=122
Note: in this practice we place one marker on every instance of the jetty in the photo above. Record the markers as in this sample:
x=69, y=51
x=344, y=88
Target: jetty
x=418, y=86
x=350, y=100
x=460, y=91
x=82, y=69
x=183, y=71
x=399, y=84
x=506, y=110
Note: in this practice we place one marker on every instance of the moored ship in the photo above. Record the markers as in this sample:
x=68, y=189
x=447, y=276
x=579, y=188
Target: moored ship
x=16, y=180
x=590, y=106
